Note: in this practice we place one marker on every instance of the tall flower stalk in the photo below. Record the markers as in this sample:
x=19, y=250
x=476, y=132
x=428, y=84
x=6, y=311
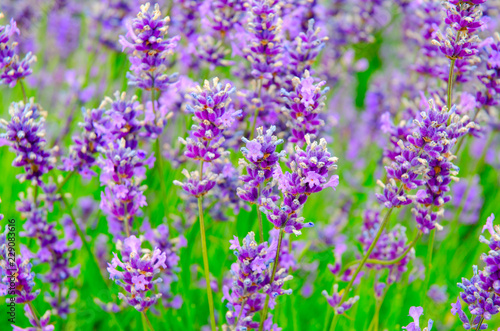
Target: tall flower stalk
x=213, y=112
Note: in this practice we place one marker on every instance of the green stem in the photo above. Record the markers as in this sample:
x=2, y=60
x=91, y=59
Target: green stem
x=256, y=113
x=205, y=256
x=362, y=263
x=33, y=312
x=429, y=264
x=480, y=323
x=148, y=323
x=159, y=159
x=65, y=180
x=259, y=217
x=25, y=98
x=275, y=265
x=450, y=83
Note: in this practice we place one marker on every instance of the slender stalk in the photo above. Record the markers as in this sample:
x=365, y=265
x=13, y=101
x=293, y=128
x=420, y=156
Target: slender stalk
x=241, y=311
x=259, y=217
x=275, y=265
x=65, y=180
x=450, y=83
x=125, y=222
x=479, y=324
x=361, y=264
x=387, y=262
x=205, y=256
x=148, y=323
x=25, y=98
x=256, y=113
x=429, y=264
x=33, y=312
x=159, y=157
x=35, y=194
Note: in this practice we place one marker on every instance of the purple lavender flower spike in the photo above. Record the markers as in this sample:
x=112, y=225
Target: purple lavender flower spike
x=334, y=300
x=481, y=303
x=265, y=51
x=262, y=159
x=415, y=313
x=482, y=292
x=149, y=49
x=82, y=155
x=303, y=107
x=161, y=239
x=194, y=185
x=26, y=136
x=304, y=50
x=12, y=69
x=20, y=273
x=136, y=273
x=309, y=174
x=462, y=20
x=438, y=293
x=251, y=282
x=122, y=117
x=122, y=171
x=213, y=113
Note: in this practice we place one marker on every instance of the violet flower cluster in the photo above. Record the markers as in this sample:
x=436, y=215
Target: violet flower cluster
x=261, y=161
x=25, y=133
x=123, y=169
x=251, y=282
x=137, y=273
x=265, y=51
x=482, y=292
x=415, y=313
x=149, y=49
x=12, y=68
x=303, y=106
x=309, y=174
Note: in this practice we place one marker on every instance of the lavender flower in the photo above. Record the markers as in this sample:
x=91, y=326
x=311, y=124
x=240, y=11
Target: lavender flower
x=136, y=274
x=463, y=19
x=335, y=298
x=161, y=239
x=213, y=112
x=303, y=107
x=251, y=282
x=309, y=174
x=415, y=313
x=82, y=155
x=304, y=50
x=26, y=136
x=438, y=293
x=262, y=160
x=12, y=69
x=266, y=46
x=482, y=292
x=17, y=279
x=150, y=49
x=123, y=170
x=42, y=326
x=481, y=303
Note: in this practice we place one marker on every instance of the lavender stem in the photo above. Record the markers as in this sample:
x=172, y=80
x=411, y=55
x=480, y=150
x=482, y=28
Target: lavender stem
x=275, y=265
x=205, y=256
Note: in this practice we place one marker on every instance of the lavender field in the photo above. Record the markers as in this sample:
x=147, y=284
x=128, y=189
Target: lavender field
x=241, y=165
